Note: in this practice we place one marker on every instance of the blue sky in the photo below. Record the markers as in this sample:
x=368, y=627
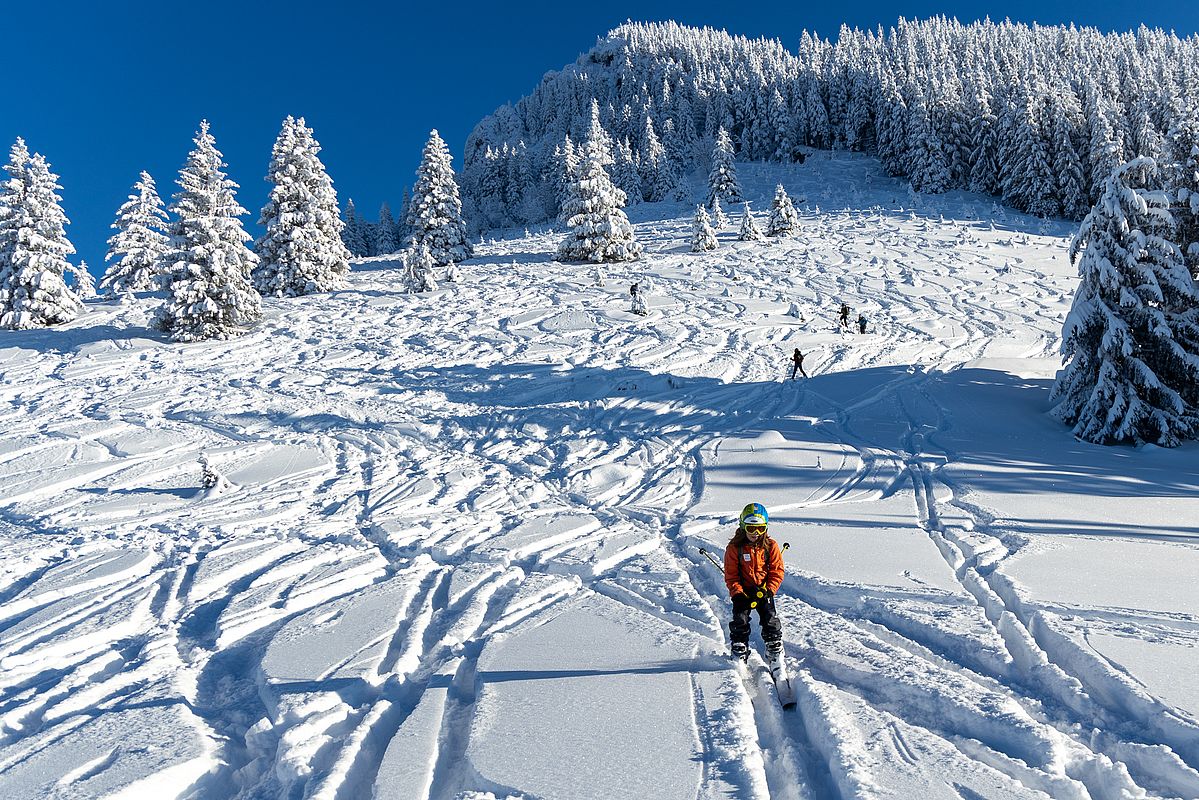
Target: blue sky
x=104, y=90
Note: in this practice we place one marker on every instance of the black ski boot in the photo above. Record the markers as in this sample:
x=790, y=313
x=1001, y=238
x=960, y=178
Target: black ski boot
x=774, y=650
x=741, y=652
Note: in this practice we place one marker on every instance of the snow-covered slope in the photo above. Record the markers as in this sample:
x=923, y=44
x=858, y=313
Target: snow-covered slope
x=457, y=555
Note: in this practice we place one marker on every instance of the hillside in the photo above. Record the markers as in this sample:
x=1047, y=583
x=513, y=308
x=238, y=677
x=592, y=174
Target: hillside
x=456, y=551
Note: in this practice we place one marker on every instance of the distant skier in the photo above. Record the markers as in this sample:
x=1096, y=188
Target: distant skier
x=797, y=361
x=861, y=323
x=640, y=306
x=753, y=572
x=844, y=315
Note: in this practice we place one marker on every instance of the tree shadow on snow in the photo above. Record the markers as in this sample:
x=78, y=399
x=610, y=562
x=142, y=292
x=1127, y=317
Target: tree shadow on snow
x=59, y=339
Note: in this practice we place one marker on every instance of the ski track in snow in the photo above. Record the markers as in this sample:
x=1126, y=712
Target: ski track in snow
x=458, y=553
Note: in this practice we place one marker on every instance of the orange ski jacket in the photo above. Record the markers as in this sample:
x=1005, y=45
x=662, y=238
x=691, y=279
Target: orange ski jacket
x=747, y=566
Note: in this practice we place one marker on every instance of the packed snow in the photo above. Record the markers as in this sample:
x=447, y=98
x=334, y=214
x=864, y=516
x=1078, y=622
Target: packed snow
x=449, y=545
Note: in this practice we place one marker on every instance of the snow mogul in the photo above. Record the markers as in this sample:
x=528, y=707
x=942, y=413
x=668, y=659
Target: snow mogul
x=753, y=572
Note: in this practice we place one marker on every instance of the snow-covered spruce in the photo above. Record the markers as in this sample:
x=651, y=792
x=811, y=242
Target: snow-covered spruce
x=211, y=296
x=138, y=248
x=33, y=246
x=783, y=219
x=719, y=220
x=703, y=238
x=566, y=166
x=926, y=162
x=625, y=174
x=722, y=180
x=750, y=232
x=387, y=240
x=354, y=233
x=435, y=211
x=1129, y=341
x=301, y=251
x=418, y=269
x=1182, y=181
x=599, y=230
x=658, y=177
x=1027, y=179
x=12, y=194
x=82, y=282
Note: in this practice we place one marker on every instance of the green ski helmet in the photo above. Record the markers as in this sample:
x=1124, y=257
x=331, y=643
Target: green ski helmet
x=754, y=514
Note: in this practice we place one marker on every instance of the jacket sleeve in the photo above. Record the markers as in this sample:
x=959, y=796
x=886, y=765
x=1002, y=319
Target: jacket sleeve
x=732, y=571
x=774, y=567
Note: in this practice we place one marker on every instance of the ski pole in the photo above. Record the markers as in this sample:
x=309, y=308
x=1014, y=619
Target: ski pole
x=704, y=552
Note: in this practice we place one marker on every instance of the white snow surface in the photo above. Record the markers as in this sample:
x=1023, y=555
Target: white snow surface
x=457, y=553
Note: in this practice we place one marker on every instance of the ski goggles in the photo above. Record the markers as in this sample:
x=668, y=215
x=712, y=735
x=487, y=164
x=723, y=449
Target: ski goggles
x=756, y=530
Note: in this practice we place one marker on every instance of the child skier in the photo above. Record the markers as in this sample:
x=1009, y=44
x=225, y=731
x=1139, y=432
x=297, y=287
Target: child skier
x=753, y=572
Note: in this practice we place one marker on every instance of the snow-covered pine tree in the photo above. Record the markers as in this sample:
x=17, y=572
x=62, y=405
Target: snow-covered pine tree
x=1129, y=340
x=718, y=217
x=722, y=180
x=1028, y=180
x=385, y=231
x=211, y=296
x=353, y=235
x=12, y=200
x=1182, y=181
x=1105, y=145
x=302, y=250
x=750, y=232
x=34, y=247
x=781, y=123
x=138, y=248
x=703, y=238
x=927, y=165
x=401, y=225
x=435, y=214
x=653, y=157
x=565, y=175
x=492, y=187
x=418, y=269
x=1074, y=190
x=625, y=174
x=598, y=228
x=783, y=219
x=984, y=146
x=82, y=282
x=598, y=137
x=891, y=114
x=1146, y=141
x=519, y=194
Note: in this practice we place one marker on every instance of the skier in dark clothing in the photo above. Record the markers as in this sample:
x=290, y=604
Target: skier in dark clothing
x=633, y=291
x=797, y=360
x=753, y=572
x=844, y=316
x=861, y=323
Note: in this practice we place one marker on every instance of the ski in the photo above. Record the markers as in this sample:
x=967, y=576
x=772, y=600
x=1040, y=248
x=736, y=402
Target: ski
x=784, y=690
